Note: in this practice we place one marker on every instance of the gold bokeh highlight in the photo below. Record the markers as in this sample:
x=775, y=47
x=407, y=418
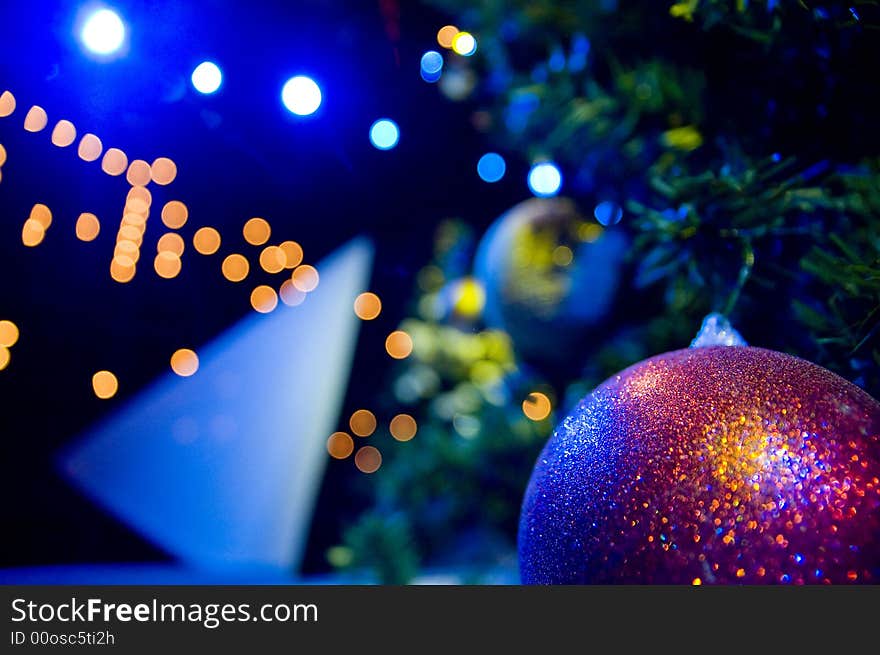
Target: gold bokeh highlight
x=63, y=134
x=87, y=227
x=139, y=173
x=256, y=231
x=128, y=249
x=293, y=254
x=171, y=242
x=403, y=427
x=7, y=104
x=264, y=299
x=446, y=34
x=167, y=265
x=367, y=306
x=8, y=333
x=206, y=241
x=115, y=162
x=185, y=362
x=340, y=445
x=362, y=423
x=90, y=147
x=305, y=278
x=36, y=119
x=104, y=384
x=130, y=233
x=537, y=406
x=163, y=171
x=399, y=344
x=272, y=259
x=235, y=268
x=139, y=193
x=174, y=214
x=368, y=459
x=32, y=233
x=122, y=269
x=42, y=215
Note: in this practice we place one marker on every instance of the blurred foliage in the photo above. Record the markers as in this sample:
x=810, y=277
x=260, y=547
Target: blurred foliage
x=740, y=137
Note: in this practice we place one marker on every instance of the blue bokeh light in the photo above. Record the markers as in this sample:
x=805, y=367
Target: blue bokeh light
x=384, y=134
x=207, y=77
x=301, y=95
x=491, y=167
x=545, y=179
x=608, y=213
x=432, y=62
x=103, y=32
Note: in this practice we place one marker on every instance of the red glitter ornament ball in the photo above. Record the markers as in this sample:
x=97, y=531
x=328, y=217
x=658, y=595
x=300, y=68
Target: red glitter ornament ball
x=709, y=465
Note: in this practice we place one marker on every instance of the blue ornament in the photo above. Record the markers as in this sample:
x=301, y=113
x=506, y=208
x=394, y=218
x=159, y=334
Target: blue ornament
x=550, y=276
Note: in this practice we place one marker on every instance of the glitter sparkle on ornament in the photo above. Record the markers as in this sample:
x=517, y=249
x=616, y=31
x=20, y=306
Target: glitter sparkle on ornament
x=720, y=464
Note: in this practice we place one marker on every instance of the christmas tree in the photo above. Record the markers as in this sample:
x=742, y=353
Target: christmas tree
x=725, y=149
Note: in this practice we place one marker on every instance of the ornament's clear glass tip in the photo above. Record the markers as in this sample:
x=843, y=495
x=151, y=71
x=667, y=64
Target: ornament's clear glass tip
x=716, y=330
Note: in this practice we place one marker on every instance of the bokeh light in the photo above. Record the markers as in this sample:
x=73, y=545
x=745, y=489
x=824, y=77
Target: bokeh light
x=293, y=254
x=272, y=259
x=103, y=32
x=491, y=167
x=399, y=344
x=7, y=104
x=446, y=34
x=171, y=242
x=185, y=362
x=340, y=445
x=134, y=219
x=32, y=233
x=167, y=265
x=128, y=249
x=257, y=231
x=537, y=406
x=384, y=134
x=431, y=66
x=545, y=179
x=206, y=241
x=368, y=459
x=105, y=384
x=207, y=77
x=563, y=256
x=432, y=61
x=8, y=333
x=42, y=214
x=174, y=214
x=115, y=162
x=264, y=299
x=139, y=173
x=122, y=269
x=90, y=147
x=163, y=171
x=464, y=44
x=235, y=268
x=35, y=120
x=305, y=278
x=608, y=213
x=367, y=306
x=2, y=155
x=64, y=134
x=5, y=356
x=290, y=295
x=130, y=233
x=301, y=95
x=403, y=427
x=139, y=193
x=362, y=423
